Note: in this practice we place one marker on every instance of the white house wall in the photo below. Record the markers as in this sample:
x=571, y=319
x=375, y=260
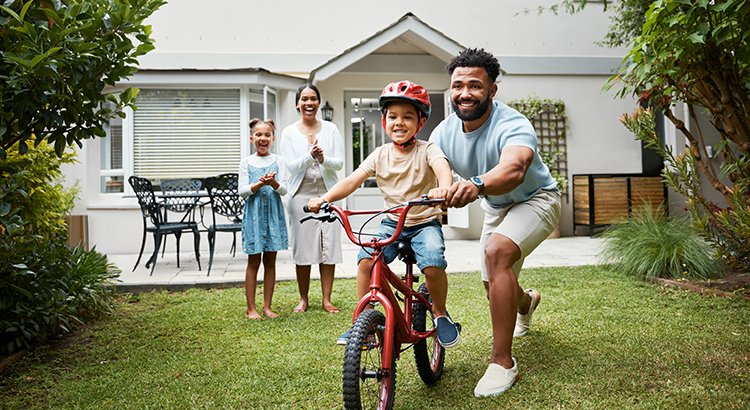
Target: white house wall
x=296, y=36
x=550, y=56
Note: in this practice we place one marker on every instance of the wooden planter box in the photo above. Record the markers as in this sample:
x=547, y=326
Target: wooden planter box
x=604, y=199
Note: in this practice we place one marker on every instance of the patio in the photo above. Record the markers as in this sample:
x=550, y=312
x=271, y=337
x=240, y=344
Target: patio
x=228, y=271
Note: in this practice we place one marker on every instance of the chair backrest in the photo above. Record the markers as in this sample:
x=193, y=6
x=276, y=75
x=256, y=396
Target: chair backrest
x=224, y=196
x=144, y=191
x=178, y=187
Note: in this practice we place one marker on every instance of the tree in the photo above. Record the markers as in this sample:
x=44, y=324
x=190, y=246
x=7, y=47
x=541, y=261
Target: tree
x=698, y=52
x=57, y=58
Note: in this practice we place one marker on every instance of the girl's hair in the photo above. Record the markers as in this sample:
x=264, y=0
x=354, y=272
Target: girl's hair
x=299, y=93
x=256, y=121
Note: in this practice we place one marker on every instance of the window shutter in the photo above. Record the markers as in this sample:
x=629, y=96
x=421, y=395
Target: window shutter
x=186, y=133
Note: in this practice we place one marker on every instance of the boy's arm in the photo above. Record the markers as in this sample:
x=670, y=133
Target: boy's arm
x=444, y=178
x=341, y=190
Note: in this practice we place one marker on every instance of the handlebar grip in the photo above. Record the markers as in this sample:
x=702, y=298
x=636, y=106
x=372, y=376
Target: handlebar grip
x=305, y=208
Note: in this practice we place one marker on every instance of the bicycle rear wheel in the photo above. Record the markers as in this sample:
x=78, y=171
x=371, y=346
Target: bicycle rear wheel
x=365, y=382
x=429, y=354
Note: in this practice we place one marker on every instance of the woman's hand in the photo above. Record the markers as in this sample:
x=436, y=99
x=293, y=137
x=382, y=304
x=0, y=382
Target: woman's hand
x=314, y=204
x=317, y=152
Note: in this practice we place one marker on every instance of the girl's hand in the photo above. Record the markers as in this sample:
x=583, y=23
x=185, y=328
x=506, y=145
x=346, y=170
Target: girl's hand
x=269, y=179
x=314, y=204
x=266, y=179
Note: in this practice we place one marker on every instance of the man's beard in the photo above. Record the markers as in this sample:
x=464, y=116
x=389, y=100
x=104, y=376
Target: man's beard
x=474, y=114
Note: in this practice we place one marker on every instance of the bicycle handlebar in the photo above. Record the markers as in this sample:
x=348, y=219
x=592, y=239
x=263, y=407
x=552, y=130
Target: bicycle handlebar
x=329, y=212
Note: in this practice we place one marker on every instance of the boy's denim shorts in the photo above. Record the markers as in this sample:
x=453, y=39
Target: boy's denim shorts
x=425, y=239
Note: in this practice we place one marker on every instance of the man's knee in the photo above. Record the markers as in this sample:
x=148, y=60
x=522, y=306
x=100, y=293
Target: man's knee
x=501, y=252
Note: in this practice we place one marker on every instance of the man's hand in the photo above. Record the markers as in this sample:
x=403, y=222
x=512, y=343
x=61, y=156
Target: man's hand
x=314, y=204
x=461, y=194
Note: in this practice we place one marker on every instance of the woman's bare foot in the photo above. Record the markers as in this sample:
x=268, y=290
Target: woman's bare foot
x=253, y=314
x=269, y=313
x=330, y=308
x=302, y=307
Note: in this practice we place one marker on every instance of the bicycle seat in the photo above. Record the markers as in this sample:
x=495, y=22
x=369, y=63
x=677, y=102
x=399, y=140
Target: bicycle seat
x=406, y=253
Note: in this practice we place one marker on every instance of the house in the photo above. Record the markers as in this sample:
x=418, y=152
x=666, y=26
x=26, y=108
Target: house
x=216, y=68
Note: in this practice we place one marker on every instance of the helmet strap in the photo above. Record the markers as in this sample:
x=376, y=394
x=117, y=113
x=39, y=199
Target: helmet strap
x=411, y=141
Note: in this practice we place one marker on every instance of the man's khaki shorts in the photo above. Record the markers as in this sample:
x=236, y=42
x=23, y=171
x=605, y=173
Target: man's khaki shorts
x=527, y=224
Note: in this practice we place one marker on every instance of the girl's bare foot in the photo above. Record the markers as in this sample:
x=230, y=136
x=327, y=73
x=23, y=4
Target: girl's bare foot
x=302, y=307
x=330, y=308
x=269, y=313
x=253, y=314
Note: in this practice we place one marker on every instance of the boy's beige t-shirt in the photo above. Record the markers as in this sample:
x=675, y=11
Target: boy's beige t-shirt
x=405, y=178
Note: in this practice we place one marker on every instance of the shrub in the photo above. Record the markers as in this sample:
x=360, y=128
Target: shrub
x=44, y=285
x=651, y=245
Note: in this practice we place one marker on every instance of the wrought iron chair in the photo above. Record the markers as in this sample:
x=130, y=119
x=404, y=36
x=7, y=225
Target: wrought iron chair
x=152, y=210
x=225, y=202
x=179, y=196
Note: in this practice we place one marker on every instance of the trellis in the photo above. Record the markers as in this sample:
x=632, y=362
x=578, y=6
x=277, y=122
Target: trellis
x=550, y=123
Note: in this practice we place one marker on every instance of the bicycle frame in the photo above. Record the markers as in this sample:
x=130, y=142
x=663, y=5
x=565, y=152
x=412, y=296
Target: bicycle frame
x=398, y=326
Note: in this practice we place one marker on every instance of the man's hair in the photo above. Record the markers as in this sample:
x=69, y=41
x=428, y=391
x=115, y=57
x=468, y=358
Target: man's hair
x=472, y=57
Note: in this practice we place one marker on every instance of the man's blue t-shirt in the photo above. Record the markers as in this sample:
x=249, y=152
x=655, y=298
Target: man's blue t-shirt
x=476, y=152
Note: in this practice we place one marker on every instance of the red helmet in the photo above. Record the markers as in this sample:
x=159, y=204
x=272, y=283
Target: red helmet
x=406, y=91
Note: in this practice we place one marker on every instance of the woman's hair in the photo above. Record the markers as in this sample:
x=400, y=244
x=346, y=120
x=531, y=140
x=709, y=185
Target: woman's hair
x=299, y=93
x=256, y=121
x=473, y=57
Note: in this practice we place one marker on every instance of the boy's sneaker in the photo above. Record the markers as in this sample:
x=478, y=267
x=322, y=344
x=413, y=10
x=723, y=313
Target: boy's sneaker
x=523, y=322
x=496, y=380
x=447, y=332
x=343, y=339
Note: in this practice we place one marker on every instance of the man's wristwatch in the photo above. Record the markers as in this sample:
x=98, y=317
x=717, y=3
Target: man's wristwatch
x=479, y=183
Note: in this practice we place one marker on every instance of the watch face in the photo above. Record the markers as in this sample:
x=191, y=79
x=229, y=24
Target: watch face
x=477, y=181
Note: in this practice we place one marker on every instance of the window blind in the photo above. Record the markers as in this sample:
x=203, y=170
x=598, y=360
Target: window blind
x=186, y=133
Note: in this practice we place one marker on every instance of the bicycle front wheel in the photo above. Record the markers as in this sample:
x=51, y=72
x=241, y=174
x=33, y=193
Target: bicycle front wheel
x=429, y=355
x=367, y=384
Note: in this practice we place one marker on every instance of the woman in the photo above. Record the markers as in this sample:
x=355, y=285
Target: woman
x=314, y=152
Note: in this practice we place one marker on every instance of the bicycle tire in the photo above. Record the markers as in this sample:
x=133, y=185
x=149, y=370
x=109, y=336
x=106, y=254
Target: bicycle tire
x=364, y=385
x=429, y=354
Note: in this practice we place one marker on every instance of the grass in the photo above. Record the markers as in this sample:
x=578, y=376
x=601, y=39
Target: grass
x=600, y=340
x=648, y=244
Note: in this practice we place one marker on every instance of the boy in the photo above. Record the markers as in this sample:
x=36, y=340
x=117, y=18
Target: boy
x=405, y=170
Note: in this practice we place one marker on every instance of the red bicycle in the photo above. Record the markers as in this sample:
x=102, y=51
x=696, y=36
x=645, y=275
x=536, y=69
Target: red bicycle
x=376, y=338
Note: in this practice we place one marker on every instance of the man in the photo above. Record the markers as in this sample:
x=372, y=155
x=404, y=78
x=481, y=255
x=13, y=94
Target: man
x=495, y=148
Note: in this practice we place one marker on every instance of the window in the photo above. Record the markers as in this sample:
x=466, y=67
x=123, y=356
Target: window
x=262, y=105
x=189, y=133
x=112, y=175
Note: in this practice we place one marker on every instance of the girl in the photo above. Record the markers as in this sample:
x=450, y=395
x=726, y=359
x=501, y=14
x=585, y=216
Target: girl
x=262, y=181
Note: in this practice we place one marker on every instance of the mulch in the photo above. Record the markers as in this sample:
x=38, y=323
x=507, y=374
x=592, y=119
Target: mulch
x=731, y=284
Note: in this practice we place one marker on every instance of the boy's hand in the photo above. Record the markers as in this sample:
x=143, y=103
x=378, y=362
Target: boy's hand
x=314, y=204
x=437, y=193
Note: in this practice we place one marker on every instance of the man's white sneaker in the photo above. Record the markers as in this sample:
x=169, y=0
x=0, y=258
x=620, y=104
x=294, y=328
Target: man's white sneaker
x=523, y=322
x=496, y=380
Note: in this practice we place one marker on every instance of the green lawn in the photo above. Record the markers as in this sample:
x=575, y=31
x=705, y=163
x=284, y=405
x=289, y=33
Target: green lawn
x=600, y=340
